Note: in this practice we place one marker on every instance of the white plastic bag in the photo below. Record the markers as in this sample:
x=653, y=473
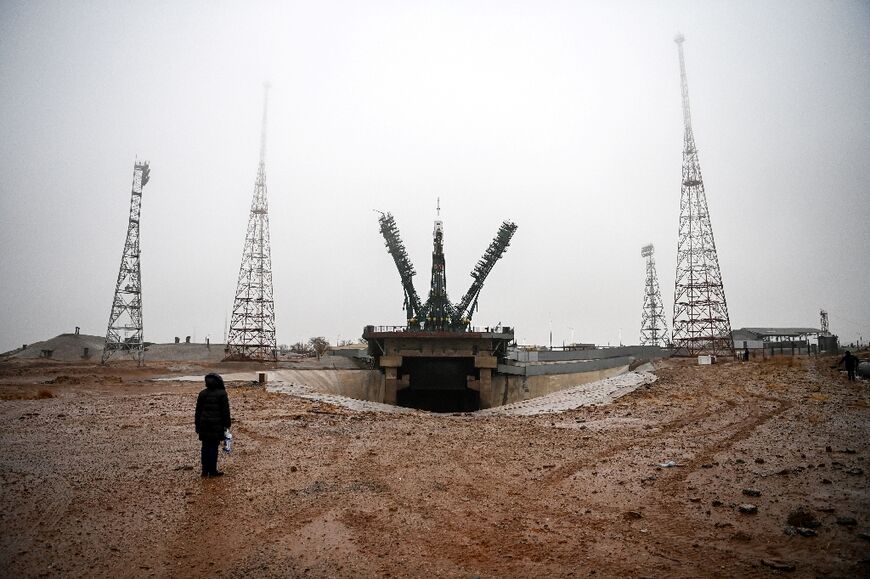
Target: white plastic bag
x=228, y=441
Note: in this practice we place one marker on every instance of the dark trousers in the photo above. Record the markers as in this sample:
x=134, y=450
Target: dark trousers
x=851, y=372
x=209, y=456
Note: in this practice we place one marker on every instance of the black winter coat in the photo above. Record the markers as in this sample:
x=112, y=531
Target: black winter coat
x=212, y=413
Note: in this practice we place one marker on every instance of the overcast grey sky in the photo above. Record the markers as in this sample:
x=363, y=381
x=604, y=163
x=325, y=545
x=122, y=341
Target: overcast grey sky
x=562, y=116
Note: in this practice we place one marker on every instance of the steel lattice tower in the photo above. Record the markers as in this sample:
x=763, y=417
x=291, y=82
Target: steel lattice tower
x=653, y=328
x=124, y=333
x=252, y=326
x=701, y=324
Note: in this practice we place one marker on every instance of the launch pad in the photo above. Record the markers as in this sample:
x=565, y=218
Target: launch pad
x=439, y=371
x=437, y=361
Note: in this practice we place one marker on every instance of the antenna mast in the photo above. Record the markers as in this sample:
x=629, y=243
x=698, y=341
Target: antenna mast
x=252, y=326
x=124, y=333
x=701, y=324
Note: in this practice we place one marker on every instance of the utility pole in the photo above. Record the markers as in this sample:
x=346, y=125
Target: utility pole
x=653, y=328
x=124, y=332
x=252, y=325
x=701, y=324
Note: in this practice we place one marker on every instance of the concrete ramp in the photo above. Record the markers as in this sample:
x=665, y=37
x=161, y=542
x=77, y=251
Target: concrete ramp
x=336, y=399
x=600, y=392
x=364, y=385
x=362, y=390
x=360, y=384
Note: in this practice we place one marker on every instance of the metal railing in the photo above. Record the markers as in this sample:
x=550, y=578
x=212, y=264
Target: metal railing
x=478, y=330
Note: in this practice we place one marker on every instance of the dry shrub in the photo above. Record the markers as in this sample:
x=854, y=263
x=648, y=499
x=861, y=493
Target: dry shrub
x=65, y=379
x=26, y=394
x=815, y=419
x=781, y=361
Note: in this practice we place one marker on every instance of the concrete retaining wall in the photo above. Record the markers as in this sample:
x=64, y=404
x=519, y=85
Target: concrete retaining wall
x=646, y=352
x=514, y=388
x=359, y=384
x=575, y=367
x=525, y=382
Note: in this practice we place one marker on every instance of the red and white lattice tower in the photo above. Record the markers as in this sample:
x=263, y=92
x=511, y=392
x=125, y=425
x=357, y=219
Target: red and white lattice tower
x=701, y=324
x=252, y=326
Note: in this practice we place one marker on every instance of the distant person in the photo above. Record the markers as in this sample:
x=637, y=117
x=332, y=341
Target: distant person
x=211, y=419
x=746, y=354
x=851, y=364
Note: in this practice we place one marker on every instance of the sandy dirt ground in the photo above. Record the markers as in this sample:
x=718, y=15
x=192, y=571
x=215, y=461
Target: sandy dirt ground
x=100, y=477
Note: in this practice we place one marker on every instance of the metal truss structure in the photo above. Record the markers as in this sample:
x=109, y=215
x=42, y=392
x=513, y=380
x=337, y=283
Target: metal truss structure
x=124, y=332
x=700, y=324
x=823, y=323
x=468, y=304
x=653, y=328
x=439, y=313
x=412, y=305
x=252, y=326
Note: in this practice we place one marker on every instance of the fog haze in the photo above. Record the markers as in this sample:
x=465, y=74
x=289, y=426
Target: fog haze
x=564, y=117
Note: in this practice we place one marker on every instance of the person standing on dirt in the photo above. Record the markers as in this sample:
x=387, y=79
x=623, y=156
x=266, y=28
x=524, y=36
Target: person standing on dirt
x=211, y=419
x=851, y=364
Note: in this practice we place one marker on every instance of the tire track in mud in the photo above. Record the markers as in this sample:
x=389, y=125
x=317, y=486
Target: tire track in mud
x=568, y=470
x=671, y=483
x=744, y=429
x=662, y=495
x=666, y=430
x=687, y=530
x=237, y=534
x=248, y=535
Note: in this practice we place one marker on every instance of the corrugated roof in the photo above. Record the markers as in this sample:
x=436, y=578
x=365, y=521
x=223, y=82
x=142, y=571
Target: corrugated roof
x=781, y=331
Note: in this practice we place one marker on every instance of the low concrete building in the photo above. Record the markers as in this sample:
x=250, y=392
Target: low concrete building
x=768, y=342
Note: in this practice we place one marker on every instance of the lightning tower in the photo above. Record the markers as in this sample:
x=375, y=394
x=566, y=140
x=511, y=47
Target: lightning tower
x=701, y=324
x=124, y=333
x=653, y=328
x=252, y=325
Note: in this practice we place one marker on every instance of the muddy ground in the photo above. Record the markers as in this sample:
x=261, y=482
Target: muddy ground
x=102, y=478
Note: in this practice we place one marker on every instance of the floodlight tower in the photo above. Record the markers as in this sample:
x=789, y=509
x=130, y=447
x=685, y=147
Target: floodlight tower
x=823, y=321
x=653, y=328
x=124, y=333
x=701, y=324
x=252, y=325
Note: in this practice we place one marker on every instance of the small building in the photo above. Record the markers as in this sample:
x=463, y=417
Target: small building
x=769, y=342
